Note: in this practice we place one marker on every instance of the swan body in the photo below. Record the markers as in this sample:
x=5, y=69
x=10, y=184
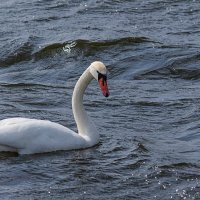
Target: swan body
x=28, y=136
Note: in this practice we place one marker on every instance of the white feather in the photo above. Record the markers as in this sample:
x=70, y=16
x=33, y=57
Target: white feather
x=27, y=136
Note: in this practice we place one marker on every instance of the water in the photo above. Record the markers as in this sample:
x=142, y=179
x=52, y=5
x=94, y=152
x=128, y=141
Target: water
x=150, y=130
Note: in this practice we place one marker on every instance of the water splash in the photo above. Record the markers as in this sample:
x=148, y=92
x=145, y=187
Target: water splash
x=67, y=48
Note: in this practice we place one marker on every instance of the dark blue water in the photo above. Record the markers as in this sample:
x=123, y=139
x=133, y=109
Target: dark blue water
x=150, y=124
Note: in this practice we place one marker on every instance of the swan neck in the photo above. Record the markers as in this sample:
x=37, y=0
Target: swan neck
x=80, y=115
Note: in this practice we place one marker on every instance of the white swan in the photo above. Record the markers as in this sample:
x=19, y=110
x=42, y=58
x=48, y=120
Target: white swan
x=28, y=136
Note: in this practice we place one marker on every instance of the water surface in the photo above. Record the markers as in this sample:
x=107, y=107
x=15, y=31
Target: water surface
x=150, y=131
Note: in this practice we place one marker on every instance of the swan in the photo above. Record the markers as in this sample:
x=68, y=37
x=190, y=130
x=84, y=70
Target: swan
x=29, y=136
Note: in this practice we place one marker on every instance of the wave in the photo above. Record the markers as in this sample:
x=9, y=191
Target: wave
x=18, y=50
x=170, y=72
x=22, y=53
x=26, y=51
x=87, y=46
x=180, y=165
x=133, y=60
x=31, y=85
x=184, y=67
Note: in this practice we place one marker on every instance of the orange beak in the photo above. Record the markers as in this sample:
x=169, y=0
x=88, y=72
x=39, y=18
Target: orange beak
x=104, y=87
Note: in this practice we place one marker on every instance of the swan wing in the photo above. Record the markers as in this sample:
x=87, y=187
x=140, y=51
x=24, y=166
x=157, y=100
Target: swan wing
x=36, y=136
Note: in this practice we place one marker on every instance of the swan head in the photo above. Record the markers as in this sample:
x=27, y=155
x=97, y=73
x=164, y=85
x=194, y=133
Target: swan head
x=99, y=72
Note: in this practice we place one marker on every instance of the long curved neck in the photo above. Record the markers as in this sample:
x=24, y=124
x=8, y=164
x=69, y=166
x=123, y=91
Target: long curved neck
x=84, y=125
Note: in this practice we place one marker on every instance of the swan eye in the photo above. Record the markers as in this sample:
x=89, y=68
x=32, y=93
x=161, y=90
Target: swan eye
x=102, y=79
x=102, y=76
